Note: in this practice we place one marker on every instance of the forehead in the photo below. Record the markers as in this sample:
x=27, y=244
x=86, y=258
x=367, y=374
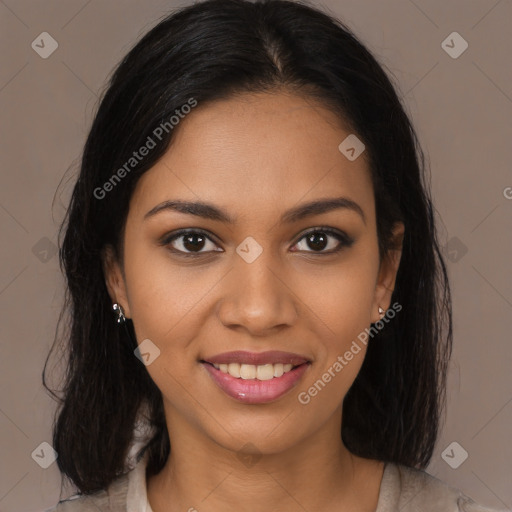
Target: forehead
x=256, y=151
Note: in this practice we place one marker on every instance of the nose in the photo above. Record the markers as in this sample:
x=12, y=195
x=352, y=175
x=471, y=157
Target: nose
x=257, y=297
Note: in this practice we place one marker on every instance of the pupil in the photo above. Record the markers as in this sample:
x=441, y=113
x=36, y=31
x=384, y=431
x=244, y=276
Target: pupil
x=189, y=243
x=317, y=241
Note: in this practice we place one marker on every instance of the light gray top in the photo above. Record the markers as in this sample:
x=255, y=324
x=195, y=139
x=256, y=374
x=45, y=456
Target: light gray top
x=402, y=489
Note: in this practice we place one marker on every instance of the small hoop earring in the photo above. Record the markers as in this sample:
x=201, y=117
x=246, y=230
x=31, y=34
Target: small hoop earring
x=121, y=319
x=381, y=312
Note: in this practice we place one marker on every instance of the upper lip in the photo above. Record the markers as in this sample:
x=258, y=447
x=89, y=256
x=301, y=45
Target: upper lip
x=257, y=358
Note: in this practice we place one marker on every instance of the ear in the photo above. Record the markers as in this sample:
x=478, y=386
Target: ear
x=114, y=279
x=387, y=273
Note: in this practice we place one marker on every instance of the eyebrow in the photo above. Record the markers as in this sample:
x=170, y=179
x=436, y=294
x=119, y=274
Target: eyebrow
x=209, y=211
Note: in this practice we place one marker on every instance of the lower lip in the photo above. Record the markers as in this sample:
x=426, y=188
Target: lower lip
x=254, y=391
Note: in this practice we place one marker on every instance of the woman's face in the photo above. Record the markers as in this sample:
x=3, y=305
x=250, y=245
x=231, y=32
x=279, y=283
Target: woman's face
x=260, y=281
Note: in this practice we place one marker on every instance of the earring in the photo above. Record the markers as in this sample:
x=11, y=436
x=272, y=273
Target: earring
x=121, y=319
x=381, y=312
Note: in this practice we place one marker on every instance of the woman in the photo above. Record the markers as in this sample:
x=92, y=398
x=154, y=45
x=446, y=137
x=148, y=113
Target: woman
x=254, y=278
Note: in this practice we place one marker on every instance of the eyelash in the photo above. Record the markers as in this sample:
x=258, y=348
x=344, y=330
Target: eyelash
x=343, y=239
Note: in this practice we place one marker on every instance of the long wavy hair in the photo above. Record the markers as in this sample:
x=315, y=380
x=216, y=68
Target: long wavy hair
x=212, y=50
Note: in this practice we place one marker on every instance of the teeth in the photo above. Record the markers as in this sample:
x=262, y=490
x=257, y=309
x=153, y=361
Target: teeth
x=278, y=369
x=234, y=370
x=251, y=371
x=248, y=371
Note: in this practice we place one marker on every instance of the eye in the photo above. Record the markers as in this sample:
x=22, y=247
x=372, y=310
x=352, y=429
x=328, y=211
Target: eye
x=320, y=239
x=188, y=242
x=192, y=242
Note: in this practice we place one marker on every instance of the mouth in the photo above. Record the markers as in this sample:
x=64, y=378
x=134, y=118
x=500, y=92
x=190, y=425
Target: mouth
x=256, y=378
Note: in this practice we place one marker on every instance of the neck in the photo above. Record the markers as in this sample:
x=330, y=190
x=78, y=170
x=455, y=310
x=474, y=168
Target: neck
x=318, y=473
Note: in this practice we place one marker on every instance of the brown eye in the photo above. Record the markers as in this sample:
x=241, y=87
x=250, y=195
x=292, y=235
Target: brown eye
x=190, y=243
x=321, y=239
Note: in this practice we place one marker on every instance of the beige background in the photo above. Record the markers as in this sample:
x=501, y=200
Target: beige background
x=462, y=110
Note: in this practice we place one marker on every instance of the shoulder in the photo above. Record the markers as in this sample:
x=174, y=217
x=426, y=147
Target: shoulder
x=126, y=492
x=112, y=499
x=412, y=490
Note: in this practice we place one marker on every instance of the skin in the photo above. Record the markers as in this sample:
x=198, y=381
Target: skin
x=255, y=156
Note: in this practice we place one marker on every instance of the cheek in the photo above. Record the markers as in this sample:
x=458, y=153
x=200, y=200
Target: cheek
x=340, y=299
x=340, y=305
x=340, y=350
x=162, y=295
x=165, y=306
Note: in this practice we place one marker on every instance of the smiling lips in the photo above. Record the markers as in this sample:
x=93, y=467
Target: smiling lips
x=254, y=378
